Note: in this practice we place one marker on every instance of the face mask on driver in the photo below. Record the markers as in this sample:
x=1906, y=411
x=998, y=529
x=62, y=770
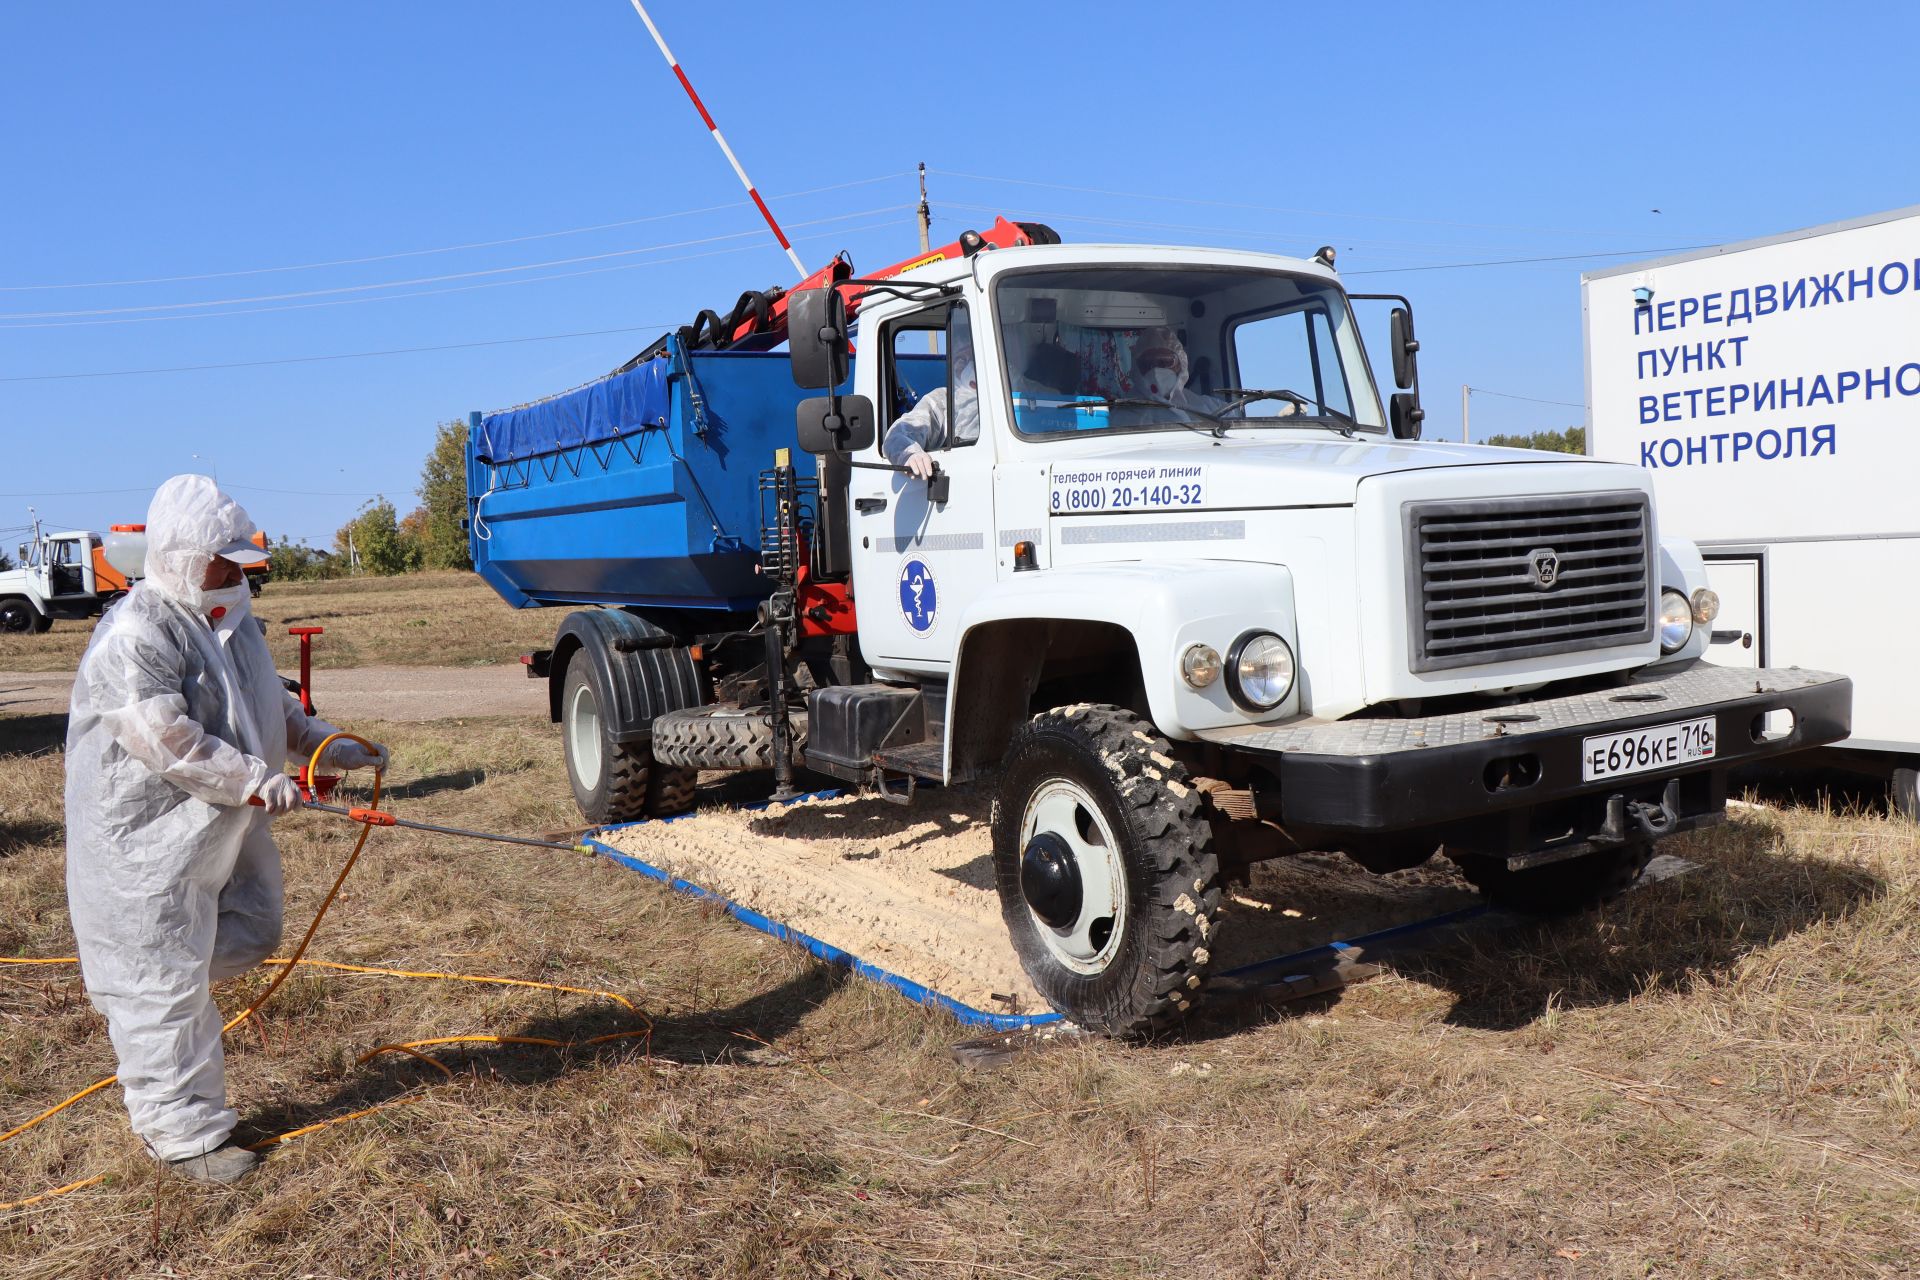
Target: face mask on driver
x=1159, y=363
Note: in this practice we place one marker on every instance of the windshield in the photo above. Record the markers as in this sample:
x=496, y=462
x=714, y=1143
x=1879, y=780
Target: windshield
x=1104, y=348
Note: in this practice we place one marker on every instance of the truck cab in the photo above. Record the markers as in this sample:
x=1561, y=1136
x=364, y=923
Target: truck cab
x=1132, y=531
x=56, y=578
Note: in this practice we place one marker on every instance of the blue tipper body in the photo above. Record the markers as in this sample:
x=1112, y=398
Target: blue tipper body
x=639, y=489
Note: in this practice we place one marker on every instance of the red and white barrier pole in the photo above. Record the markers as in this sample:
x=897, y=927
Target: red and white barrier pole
x=718, y=137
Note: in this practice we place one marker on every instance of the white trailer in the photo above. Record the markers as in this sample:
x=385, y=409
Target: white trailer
x=1772, y=388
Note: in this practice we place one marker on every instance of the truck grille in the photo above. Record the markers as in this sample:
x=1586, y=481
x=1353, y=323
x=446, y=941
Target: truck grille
x=1507, y=578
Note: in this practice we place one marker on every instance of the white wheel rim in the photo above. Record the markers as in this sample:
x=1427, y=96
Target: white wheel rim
x=1064, y=809
x=583, y=736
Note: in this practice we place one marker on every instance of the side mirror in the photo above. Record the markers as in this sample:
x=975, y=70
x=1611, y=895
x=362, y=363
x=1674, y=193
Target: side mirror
x=1406, y=415
x=817, y=338
x=834, y=424
x=1405, y=345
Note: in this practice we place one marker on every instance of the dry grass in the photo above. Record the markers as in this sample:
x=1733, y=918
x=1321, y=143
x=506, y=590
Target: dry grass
x=1715, y=1077
x=418, y=619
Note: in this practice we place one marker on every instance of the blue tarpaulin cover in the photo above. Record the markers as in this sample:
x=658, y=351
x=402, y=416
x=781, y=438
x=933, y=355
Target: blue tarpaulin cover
x=619, y=405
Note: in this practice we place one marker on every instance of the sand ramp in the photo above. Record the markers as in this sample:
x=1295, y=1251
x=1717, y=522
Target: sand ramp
x=910, y=889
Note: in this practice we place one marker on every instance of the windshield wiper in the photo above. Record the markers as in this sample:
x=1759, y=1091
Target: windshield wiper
x=1243, y=396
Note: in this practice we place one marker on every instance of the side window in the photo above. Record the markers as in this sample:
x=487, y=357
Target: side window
x=917, y=355
x=931, y=397
x=1292, y=351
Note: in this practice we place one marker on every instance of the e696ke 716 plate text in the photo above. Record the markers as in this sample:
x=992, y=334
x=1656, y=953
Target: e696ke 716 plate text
x=1660, y=746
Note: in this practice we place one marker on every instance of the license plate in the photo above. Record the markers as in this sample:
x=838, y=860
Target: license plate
x=1661, y=746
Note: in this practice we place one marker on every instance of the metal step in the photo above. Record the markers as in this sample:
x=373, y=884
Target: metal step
x=921, y=759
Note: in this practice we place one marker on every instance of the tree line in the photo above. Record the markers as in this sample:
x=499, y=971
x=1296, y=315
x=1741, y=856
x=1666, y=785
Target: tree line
x=1571, y=440
x=381, y=541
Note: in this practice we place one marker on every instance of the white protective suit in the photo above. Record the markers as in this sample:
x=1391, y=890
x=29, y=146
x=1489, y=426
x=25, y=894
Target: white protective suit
x=173, y=881
x=925, y=429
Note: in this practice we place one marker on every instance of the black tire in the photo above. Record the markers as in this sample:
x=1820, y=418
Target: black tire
x=1152, y=962
x=1558, y=888
x=609, y=778
x=1903, y=792
x=723, y=737
x=42, y=623
x=17, y=615
x=670, y=790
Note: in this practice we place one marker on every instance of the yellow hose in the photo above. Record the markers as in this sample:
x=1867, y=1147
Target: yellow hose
x=412, y=1047
x=455, y=977
x=391, y=973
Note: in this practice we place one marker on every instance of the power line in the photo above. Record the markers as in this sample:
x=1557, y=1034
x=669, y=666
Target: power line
x=457, y=275
x=1273, y=235
x=1235, y=231
x=428, y=293
x=149, y=488
x=1268, y=208
x=1508, y=395
x=344, y=355
x=1514, y=262
x=451, y=248
x=307, y=493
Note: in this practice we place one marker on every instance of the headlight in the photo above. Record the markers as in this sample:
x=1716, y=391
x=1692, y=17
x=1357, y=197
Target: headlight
x=1676, y=621
x=1200, y=665
x=1260, y=671
x=1706, y=605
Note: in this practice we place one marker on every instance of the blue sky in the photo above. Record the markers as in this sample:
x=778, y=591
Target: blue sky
x=231, y=140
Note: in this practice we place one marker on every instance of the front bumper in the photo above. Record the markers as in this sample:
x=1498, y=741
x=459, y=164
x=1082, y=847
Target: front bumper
x=1378, y=776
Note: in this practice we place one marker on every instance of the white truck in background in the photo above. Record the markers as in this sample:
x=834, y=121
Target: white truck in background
x=1772, y=390
x=77, y=574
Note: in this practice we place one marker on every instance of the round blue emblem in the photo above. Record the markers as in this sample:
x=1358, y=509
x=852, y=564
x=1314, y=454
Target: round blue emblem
x=919, y=601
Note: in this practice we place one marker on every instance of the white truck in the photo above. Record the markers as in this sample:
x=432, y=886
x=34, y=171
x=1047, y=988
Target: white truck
x=74, y=573
x=1771, y=390
x=1185, y=637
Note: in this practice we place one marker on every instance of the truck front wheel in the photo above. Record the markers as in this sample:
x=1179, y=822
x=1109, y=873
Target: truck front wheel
x=1107, y=876
x=1557, y=888
x=17, y=614
x=613, y=781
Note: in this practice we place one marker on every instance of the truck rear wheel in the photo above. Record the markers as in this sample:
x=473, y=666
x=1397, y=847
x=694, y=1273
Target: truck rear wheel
x=1107, y=876
x=613, y=781
x=17, y=615
x=1558, y=888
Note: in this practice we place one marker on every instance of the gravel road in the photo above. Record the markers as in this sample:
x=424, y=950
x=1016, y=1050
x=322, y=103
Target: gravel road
x=345, y=695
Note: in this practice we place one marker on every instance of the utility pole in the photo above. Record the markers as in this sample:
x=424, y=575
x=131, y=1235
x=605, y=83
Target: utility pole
x=926, y=245
x=1465, y=390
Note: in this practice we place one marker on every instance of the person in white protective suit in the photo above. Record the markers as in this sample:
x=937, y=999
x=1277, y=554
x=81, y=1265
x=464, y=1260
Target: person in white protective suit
x=173, y=881
x=924, y=429
x=1160, y=372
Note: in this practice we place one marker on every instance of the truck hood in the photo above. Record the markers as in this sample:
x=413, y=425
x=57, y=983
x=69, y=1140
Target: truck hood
x=1293, y=468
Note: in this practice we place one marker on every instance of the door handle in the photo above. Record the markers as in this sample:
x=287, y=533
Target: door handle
x=867, y=506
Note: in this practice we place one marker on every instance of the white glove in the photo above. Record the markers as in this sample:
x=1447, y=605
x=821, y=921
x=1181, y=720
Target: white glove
x=919, y=464
x=348, y=754
x=279, y=794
